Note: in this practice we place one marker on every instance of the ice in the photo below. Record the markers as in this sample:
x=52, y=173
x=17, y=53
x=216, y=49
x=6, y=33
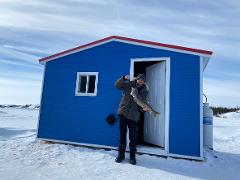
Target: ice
x=24, y=157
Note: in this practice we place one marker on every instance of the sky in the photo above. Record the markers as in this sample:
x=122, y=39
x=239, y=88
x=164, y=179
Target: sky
x=30, y=30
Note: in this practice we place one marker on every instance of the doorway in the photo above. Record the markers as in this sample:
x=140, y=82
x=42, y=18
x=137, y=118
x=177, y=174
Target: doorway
x=152, y=131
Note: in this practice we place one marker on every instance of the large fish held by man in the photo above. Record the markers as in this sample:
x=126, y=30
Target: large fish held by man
x=141, y=103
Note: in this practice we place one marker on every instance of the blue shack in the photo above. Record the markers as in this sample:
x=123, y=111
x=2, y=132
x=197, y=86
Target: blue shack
x=79, y=101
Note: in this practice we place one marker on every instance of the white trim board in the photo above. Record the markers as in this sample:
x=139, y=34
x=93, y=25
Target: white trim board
x=41, y=95
x=161, y=152
x=162, y=48
x=75, y=51
x=77, y=84
x=167, y=107
x=185, y=157
x=167, y=91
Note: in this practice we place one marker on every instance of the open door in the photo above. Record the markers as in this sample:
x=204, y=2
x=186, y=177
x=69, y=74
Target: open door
x=154, y=127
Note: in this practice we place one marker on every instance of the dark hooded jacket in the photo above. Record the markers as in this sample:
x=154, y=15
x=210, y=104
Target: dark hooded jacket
x=128, y=107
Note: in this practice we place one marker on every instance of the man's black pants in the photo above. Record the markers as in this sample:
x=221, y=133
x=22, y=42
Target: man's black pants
x=132, y=126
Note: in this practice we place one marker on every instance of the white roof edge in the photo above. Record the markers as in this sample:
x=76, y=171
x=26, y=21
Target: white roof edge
x=128, y=42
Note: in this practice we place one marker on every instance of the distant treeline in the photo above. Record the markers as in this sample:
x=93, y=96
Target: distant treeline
x=216, y=110
x=221, y=110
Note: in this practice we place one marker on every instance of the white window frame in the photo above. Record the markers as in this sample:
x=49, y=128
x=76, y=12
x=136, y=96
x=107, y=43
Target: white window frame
x=77, y=83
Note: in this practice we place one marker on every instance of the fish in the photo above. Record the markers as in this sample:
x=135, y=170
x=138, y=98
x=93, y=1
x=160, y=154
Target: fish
x=141, y=103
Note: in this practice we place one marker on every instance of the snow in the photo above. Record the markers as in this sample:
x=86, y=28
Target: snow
x=16, y=122
x=24, y=157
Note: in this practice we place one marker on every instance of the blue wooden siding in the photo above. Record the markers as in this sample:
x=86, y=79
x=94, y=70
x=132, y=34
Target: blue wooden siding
x=185, y=108
x=67, y=117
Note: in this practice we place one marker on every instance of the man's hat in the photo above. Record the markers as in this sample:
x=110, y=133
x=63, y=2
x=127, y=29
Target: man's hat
x=141, y=76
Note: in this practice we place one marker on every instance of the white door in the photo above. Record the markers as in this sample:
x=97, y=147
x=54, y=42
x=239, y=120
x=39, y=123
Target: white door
x=154, y=126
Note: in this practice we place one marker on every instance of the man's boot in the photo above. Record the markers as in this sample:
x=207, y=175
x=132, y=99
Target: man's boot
x=132, y=157
x=121, y=155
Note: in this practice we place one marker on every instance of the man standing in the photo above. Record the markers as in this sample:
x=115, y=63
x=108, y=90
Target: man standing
x=129, y=114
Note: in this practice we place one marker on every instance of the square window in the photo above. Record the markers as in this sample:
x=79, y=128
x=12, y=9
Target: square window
x=86, y=84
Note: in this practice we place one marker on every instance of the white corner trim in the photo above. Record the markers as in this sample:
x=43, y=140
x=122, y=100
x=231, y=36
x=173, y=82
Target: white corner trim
x=41, y=95
x=167, y=103
x=76, y=143
x=167, y=91
x=77, y=83
x=186, y=157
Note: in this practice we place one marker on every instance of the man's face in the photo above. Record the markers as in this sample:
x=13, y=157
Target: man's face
x=140, y=82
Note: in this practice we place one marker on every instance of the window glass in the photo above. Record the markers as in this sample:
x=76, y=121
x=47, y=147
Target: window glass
x=82, y=84
x=91, y=83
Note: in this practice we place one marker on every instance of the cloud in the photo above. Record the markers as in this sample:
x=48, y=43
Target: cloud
x=14, y=54
x=27, y=50
x=222, y=92
x=30, y=30
x=20, y=93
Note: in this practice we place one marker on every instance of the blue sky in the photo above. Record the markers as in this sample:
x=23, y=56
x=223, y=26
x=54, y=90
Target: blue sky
x=33, y=29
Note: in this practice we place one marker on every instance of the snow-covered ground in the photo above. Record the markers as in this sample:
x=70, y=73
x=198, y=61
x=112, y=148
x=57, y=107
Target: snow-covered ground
x=22, y=157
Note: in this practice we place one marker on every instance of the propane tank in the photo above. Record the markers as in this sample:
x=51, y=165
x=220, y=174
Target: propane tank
x=207, y=125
